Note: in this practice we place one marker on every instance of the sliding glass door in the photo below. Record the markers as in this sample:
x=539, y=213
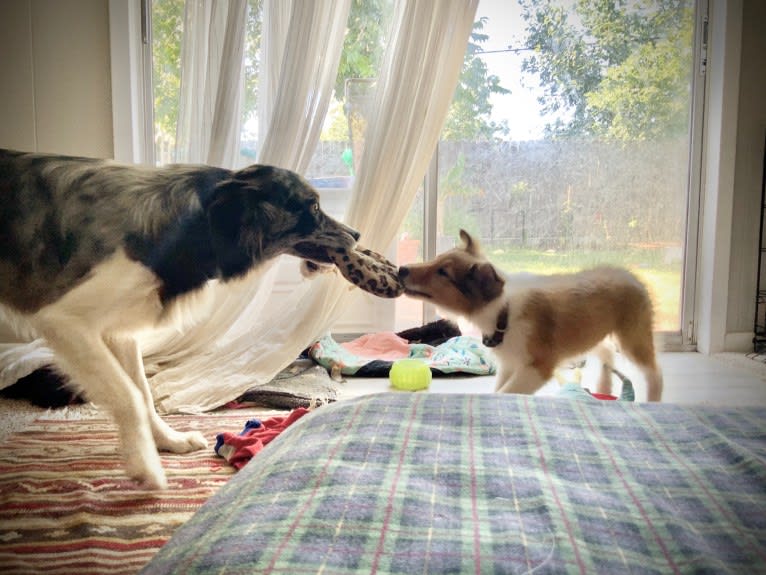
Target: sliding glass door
x=572, y=142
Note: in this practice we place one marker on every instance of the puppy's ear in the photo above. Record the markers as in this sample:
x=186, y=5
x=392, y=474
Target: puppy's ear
x=488, y=282
x=470, y=244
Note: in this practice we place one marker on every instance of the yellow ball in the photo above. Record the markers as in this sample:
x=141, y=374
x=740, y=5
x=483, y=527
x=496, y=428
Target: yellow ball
x=410, y=374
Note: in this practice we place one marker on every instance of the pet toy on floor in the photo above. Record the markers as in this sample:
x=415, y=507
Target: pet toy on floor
x=571, y=388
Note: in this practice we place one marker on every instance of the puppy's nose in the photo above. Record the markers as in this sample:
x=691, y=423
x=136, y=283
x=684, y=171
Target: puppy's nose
x=404, y=271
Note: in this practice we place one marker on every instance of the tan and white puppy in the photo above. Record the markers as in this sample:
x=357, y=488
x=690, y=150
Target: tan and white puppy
x=535, y=322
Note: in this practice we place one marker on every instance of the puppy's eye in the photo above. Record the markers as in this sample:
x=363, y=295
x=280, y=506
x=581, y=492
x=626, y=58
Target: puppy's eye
x=315, y=208
x=442, y=272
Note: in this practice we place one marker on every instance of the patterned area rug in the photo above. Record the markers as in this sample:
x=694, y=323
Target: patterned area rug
x=66, y=505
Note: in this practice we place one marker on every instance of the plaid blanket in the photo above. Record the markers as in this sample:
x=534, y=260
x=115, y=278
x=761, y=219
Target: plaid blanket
x=447, y=483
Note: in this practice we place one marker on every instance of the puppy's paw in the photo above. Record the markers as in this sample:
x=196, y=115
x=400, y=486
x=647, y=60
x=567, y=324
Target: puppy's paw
x=181, y=441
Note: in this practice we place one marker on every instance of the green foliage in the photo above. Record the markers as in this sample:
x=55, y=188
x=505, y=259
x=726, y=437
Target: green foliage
x=365, y=41
x=453, y=183
x=252, y=59
x=469, y=115
x=167, y=30
x=611, y=68
x=167, y=35
x=455, y=186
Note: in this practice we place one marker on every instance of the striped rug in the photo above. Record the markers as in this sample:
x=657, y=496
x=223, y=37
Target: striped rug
x=66, y=505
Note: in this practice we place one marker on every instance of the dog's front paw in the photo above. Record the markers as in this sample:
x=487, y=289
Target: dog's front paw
x=181, y=441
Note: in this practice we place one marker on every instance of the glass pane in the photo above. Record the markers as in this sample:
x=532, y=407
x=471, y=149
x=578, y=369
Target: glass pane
x=568, y=143
x=167, y=31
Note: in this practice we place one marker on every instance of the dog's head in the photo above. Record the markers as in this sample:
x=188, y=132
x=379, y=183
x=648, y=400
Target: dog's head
x=460, y=280
x=262, y=212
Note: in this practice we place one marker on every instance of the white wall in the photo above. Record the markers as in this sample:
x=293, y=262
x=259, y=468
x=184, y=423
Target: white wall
x=55, y=93
x=748, y=174
x=55, y=89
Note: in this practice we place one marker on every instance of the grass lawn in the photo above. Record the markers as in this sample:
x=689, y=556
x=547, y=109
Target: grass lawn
x=662, y=279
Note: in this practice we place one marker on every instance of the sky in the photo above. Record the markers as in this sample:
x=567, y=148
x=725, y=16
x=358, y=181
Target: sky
x=520, y=108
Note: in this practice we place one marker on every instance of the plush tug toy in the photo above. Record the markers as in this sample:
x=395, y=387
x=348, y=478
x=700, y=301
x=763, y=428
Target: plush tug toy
x=364, y=268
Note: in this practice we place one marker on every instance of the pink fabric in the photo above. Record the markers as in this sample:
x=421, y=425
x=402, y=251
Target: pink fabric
x=384, y=345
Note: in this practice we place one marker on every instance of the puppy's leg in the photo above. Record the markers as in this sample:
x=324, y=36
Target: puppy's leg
x=639, y=348
x=504, y=373
x=605, y=355
x=88, y=361
x=126, y=351
x=527, y=379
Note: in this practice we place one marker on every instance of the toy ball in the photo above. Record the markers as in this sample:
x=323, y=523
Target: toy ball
x=410, y=375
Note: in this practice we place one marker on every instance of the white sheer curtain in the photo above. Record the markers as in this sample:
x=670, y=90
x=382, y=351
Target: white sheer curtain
x=211, y=82
x=420, y=72
x=294, y=104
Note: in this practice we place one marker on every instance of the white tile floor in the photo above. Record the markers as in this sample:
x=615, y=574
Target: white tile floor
x=690, y=378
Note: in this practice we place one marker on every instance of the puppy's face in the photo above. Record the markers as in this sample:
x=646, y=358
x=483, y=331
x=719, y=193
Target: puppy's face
x=460, y=280
x=264, y=211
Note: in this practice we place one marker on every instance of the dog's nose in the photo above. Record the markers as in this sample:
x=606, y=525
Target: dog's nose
x=404, y=271
x=351, y=231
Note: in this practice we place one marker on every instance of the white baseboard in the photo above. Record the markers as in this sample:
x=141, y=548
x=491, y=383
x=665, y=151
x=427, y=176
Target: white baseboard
x=739, y=342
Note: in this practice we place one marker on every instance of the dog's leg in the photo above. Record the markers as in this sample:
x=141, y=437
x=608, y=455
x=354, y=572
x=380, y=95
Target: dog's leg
x=126, y=351
x=85, y=357
x=527, y=380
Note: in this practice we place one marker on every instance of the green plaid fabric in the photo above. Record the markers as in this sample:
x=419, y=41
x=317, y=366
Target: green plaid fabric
x=448, y=483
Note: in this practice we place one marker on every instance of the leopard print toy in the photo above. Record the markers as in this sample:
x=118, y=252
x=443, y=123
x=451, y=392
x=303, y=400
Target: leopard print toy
x=364, y=268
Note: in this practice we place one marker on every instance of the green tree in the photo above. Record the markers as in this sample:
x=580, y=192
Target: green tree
x=167, y=35
x=167, y=30
x=365, y=41
x=469, y=115
x=252, y=59
x=617, y=69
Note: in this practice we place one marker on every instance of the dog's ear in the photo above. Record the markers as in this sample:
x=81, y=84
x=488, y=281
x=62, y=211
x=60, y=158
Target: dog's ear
x=226, y=210
x=488, y=282
x=226, y=215
x=470, y=244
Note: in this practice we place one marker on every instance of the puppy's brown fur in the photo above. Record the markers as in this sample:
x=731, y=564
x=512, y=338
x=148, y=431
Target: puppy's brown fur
x=550, y=318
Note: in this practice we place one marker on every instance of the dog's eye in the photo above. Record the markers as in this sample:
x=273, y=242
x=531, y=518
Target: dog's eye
x=442, y=272
x=315, y=208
